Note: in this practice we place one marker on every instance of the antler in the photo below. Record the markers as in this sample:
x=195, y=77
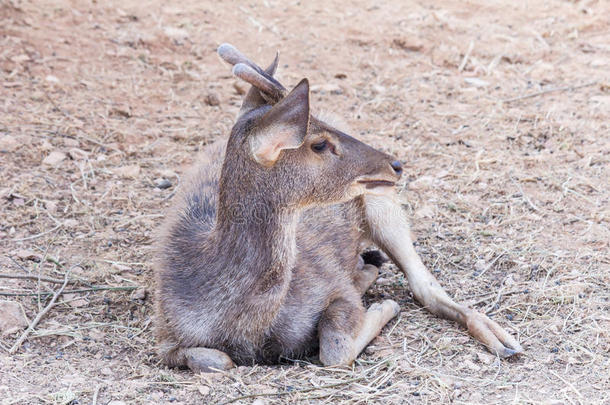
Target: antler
x=271, y=90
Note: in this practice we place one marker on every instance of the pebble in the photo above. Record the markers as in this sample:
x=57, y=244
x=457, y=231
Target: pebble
x=480, y=265
x=12, y=318
x=26, y=254
x=127, y=171
x=54, y=158
x=139, y=294
x=8, y=143
x=212, y=99
x=162, y=183
x=77, y=154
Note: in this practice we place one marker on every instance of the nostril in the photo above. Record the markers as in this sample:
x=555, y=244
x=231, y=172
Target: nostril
x=397, y=166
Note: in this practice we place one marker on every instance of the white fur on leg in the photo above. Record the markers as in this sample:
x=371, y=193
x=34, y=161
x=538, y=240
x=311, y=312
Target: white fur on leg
x=389, y=228
x=376, y=317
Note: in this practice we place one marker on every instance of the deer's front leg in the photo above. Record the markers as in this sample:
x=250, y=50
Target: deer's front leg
x=389, y=229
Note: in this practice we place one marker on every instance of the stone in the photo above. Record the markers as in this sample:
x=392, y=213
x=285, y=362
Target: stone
x=12, y=318
x=130, y=171
x=8, y=143
x=54, y=158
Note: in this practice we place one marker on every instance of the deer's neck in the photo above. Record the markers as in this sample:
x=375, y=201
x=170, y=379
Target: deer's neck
x=256, y=237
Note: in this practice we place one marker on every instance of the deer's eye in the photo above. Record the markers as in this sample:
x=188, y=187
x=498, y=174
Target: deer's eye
x=319, y=147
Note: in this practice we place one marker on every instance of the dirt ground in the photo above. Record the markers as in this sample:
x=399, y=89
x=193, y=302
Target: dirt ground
x=500, y=112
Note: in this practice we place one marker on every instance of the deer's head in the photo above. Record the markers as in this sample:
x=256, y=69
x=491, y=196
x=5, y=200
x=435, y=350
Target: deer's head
x=276, y=142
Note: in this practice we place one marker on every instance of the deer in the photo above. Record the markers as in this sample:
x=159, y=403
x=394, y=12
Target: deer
x=262, y=254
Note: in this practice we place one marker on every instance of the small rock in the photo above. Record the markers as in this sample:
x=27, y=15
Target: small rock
x=421, y=183
x=12, y=318
x=115, y=402
x=424, y=212
x=485, y=358
x=470, y=365
x=139, y=294
x=107, y=371
x=78, y=271
x=407, y=45
x=51, y=206
x=20, y=58
x=71, y=223
x=120, y=112
x=121, y=267
x=378, y=89
x=212, y=99
x=54, y=158
x=71, y=143
x=128, y=171
x=203, y=390
x=8, y=143
x=331, y=88
x=26, y=254
x=480, y=265
x=258, y=401
x=175, y=33
x=52, y=79
x=46, y=145
x=476, y=82
x=382, y=282
x=78, y=303
x=77, y=154
x=162, y=183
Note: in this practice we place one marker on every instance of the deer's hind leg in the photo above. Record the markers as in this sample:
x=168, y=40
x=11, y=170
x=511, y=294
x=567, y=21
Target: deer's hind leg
x=346, y=328
x=198, y=359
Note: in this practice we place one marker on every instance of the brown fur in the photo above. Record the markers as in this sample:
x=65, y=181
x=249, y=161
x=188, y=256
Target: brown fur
x=229, y=277
x=260, y=255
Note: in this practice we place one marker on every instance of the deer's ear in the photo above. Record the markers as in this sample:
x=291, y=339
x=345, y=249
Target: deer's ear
x=284, y=126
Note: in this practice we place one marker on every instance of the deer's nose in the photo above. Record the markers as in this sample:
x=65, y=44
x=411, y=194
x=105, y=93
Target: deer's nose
x=397, y=166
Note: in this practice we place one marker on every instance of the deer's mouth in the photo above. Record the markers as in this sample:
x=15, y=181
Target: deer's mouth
x=377, y=183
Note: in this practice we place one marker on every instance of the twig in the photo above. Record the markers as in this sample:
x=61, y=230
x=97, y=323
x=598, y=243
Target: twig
x=95, y=394
x=129, y=221
x=45, y=279
x=488, y=296
x=271, y=394
x=37, y=235
x=567, y=383
x=101, y=288
x=29, y=277
x=466, y=56
x=40, y=315
x=540, y=93
x=525, y=197
x=489, y=266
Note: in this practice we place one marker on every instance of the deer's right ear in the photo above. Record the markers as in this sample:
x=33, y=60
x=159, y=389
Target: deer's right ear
x=284, y=126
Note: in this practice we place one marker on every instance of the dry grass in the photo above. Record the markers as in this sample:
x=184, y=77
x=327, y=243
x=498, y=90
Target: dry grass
x=500, y=112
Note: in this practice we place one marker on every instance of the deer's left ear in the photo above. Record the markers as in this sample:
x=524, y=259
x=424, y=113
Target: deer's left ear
x=284, y=126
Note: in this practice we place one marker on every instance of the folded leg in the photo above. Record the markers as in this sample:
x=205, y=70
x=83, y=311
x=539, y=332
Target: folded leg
x=345, y=329
x=388, y=227
x=199, y=359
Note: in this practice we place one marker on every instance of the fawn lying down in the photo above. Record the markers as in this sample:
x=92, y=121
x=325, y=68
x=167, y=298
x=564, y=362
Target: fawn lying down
x=260, y=256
